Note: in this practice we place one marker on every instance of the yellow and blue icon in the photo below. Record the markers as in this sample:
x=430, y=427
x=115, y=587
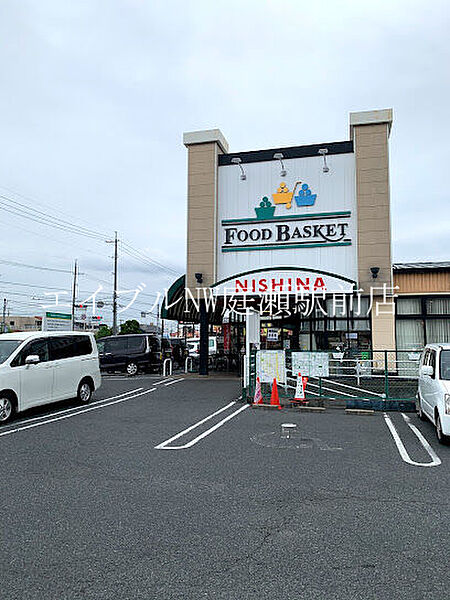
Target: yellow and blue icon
x=305, y=197
x=283, y=195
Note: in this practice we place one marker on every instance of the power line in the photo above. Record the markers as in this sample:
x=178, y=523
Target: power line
x=144, y=258
x=39, y=202
x=25, y=211
x=46, y=219
x=41, y=221
x=19, y=264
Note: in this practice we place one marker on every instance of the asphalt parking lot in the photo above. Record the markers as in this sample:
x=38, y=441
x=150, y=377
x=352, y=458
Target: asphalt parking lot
x=171, y=489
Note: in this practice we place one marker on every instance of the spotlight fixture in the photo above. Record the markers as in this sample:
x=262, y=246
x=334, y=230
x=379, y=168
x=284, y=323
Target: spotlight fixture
x=237, y=161
x=323, y=152
x=279, y=156
x=374, y=271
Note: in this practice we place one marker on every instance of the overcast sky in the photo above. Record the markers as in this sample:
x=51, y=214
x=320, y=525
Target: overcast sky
x=95, y=96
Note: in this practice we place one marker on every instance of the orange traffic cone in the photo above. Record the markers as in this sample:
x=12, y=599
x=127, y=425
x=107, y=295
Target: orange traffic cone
x=274, y=398
x=258, y=399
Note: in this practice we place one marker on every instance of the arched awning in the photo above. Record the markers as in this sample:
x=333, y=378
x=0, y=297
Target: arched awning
x=288, y=281
x=174, y=306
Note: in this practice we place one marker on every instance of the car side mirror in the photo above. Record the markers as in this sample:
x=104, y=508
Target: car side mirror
x=32, y=359
x=427, y=370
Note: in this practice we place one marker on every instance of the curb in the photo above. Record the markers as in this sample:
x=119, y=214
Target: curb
x=359, y=411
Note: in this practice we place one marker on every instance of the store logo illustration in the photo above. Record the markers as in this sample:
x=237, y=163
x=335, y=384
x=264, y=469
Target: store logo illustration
x=304, y=197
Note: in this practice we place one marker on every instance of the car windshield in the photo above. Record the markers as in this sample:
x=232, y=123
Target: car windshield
x=445, y=365
x=7, y=347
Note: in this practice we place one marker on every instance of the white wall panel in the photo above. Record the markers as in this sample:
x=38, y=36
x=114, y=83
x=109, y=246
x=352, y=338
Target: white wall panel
x=335, y=192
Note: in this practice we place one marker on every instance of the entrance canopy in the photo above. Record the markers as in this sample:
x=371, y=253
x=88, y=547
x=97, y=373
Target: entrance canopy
x=287, y=286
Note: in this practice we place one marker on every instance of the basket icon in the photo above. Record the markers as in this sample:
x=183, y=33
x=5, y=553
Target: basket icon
x=265, y=210
x=304, y=197
x=283, y=195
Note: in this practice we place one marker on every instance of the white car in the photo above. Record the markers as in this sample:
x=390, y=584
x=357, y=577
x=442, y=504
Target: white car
x=433, y=396
x=42, y=367
x=193, y=347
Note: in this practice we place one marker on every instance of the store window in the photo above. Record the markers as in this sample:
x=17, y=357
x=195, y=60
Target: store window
x=360, y=307
x=421, y=321
x=438, y=331
x=410, y=334
x=409, y=306
x=360, y=325
x=438, y=306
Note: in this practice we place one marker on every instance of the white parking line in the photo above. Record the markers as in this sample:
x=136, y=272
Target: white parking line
x=66, y=410
x=74, y=414
x=175, y=381
x=165, y=445
x=435, y=460
x=125, y=378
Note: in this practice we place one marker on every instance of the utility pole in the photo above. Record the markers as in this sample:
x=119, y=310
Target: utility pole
x=115, y=287
x=115, y=241
x=157, y=319
x=4, y=316
x=74, y=292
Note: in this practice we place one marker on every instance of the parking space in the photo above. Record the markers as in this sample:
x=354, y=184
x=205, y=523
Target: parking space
x=172, y=488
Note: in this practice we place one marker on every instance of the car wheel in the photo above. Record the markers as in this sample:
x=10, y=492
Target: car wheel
x=6, y=408
x=132, y=369
x=420, y=412
x=442, y=439
x=84, y=394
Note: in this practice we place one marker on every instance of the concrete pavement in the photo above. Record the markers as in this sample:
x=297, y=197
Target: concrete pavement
x=91, y=509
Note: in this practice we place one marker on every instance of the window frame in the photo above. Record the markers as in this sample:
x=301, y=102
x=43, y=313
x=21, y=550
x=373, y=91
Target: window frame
x=423, y=316
x=14, y=363
x=75, y=343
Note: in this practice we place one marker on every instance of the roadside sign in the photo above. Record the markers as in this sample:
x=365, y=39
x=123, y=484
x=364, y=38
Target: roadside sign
x=53, y=321
x=271, y=364
x=312, y=364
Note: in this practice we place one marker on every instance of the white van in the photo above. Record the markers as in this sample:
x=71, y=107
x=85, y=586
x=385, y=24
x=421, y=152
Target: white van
x=42, y=367
x=193, y=347
x=433, y=396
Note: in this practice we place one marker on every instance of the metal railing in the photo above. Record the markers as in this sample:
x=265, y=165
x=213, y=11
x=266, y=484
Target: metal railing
x=167, y=366
x=380, y=379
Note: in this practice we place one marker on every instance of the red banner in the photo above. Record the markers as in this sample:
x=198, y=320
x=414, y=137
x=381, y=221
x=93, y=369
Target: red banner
x=226, y=336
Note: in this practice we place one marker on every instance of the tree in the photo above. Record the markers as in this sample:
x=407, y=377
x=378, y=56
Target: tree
x=130, y=326
x=103, y=331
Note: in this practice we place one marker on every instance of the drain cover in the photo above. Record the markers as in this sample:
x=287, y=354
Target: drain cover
x=293, y=441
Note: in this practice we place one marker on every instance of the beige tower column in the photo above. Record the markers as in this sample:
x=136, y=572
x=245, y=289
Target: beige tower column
x=370, y=131
x=204, y=148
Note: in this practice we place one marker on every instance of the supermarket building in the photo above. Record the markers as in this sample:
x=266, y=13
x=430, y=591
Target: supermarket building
x=313, y=219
